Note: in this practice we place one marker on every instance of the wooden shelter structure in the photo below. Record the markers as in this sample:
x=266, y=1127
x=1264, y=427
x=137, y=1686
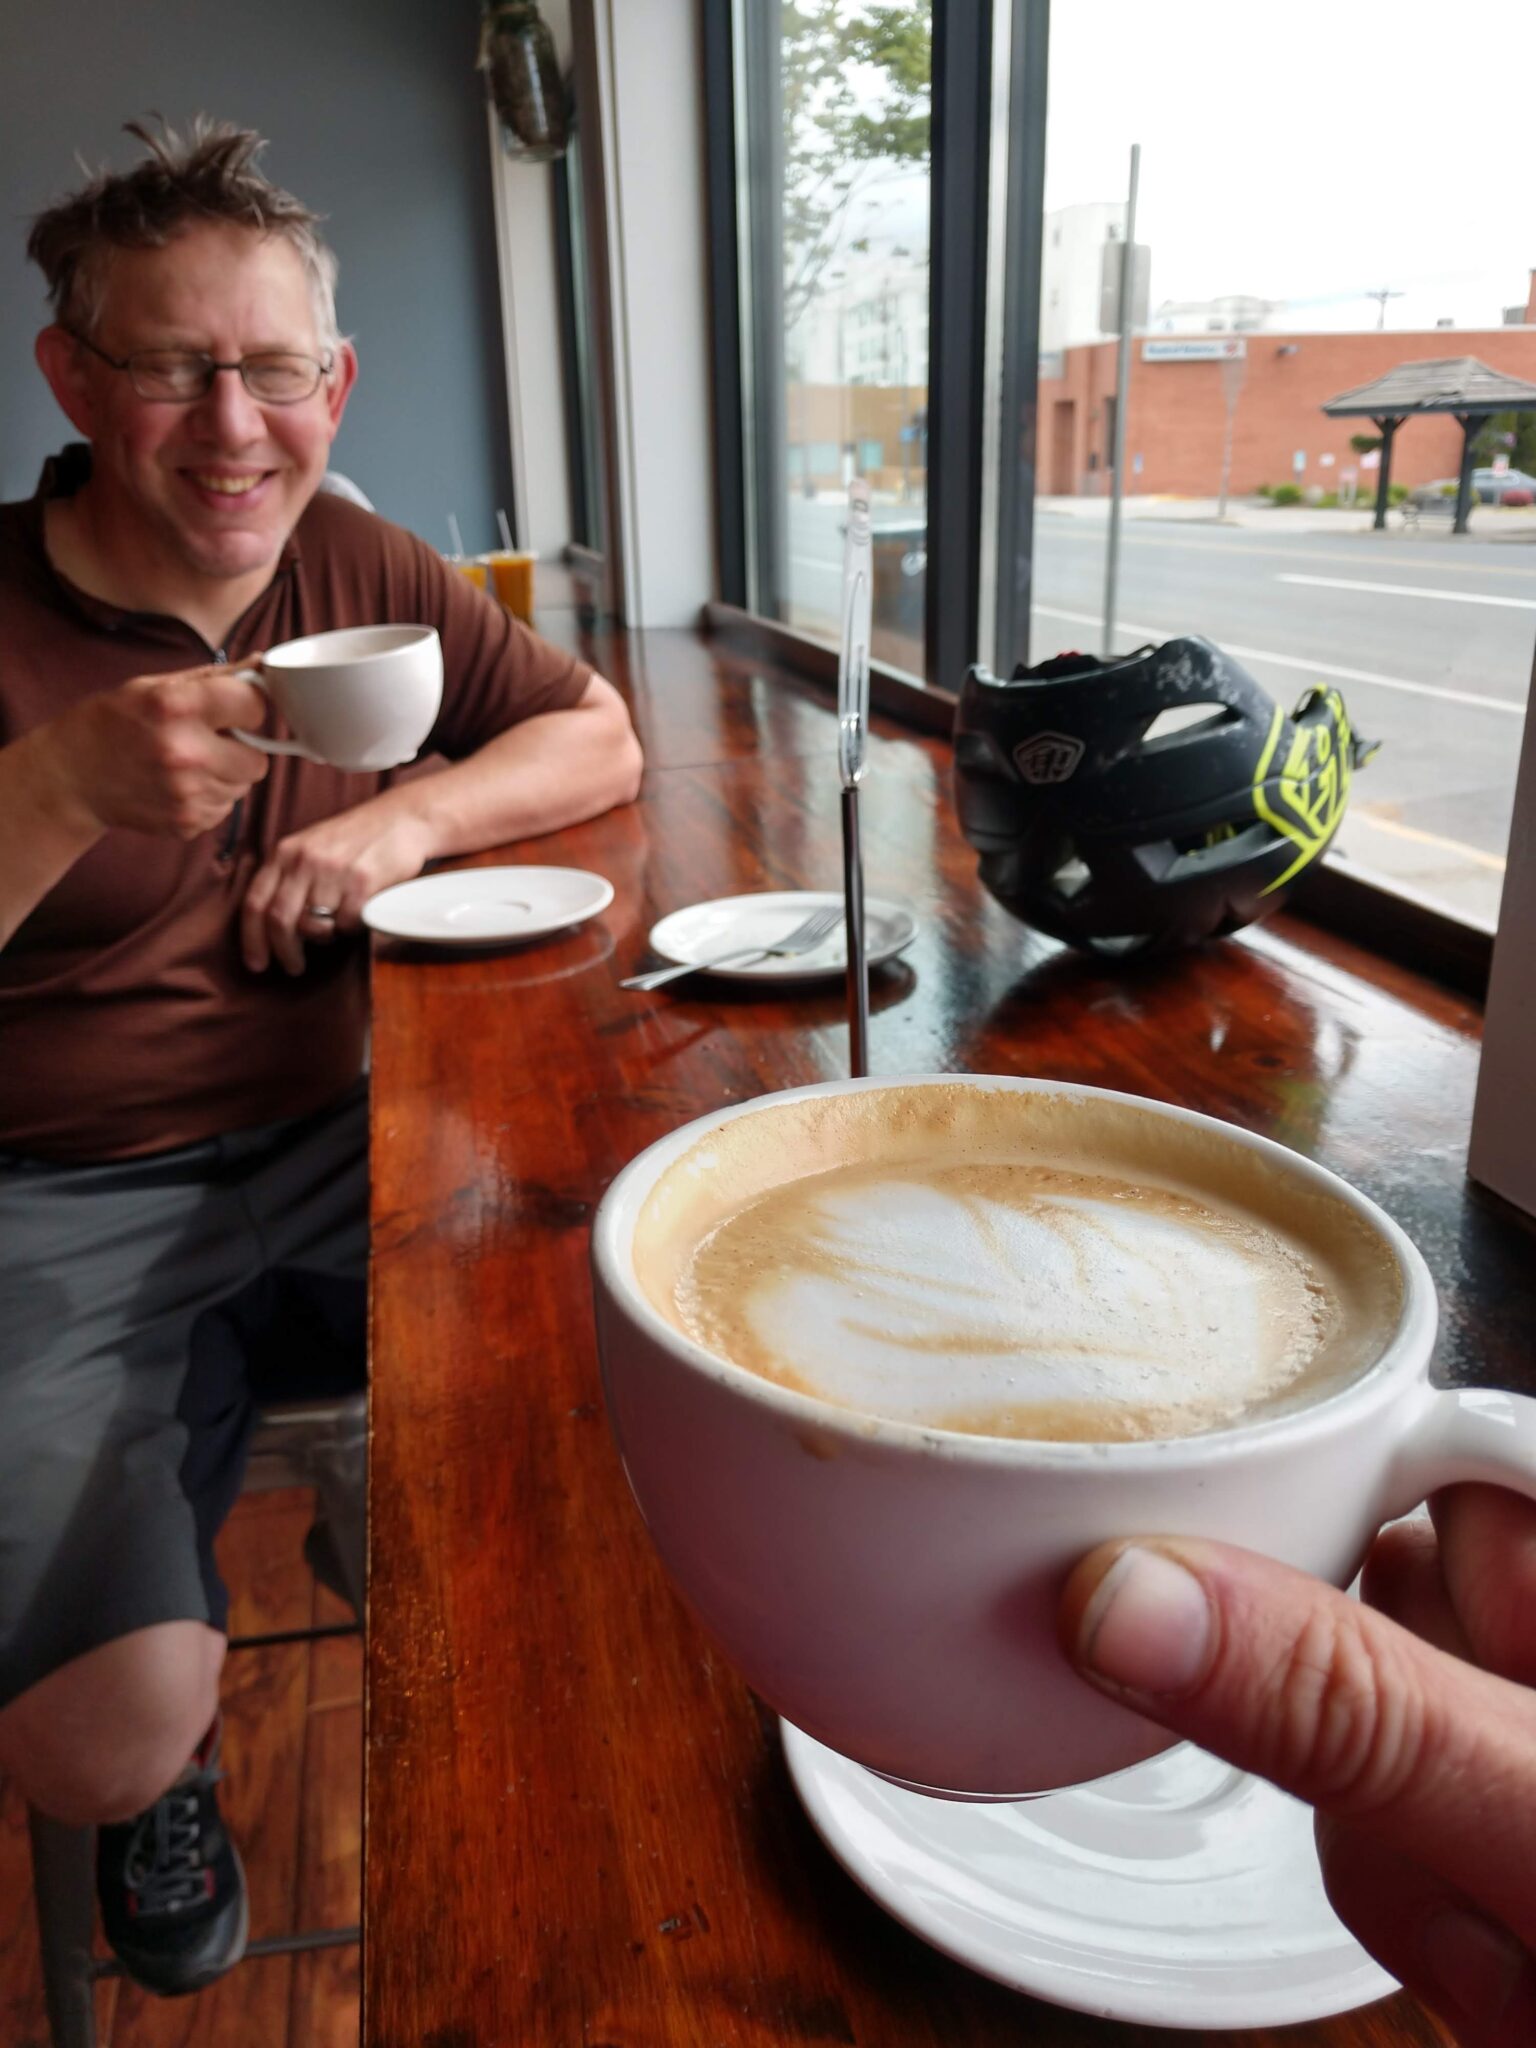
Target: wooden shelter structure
x=1456, y=384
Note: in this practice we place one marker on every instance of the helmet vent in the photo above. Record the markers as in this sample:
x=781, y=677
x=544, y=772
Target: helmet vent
x=1183, y=718
x=1071, y=877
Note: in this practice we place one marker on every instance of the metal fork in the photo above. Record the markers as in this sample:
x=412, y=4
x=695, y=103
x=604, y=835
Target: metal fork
x=807, y=934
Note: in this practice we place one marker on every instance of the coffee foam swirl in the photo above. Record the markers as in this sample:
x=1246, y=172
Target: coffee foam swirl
x=1006, y=1263
x=1006, y=1299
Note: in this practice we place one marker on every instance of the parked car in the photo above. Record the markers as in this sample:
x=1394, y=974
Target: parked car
x=1513, y=487
x=1493, y=488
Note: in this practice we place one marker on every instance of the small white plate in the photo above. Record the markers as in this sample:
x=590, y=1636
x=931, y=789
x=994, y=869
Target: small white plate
x=730, y=923
x=1181, y=1893
x=487, y=906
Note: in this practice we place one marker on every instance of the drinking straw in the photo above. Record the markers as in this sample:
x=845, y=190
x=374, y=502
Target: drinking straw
x=458, y=538
x=506, y=531
x=852, y=730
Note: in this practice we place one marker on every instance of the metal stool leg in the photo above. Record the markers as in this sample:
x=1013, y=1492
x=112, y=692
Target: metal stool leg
x=64, y=1883
x=338, y=1462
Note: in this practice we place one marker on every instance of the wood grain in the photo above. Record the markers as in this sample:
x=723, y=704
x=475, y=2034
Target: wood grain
x=579, y=1827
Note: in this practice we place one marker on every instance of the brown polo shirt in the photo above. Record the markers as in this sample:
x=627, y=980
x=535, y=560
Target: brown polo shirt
x=128, y=1022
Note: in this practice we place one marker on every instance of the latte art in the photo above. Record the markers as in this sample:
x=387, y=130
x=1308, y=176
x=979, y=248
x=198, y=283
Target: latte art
x=1012, y=1265
x=1007, y=1299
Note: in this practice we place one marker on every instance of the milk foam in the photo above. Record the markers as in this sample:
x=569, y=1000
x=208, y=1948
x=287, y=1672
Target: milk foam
x=1015, y=1262
x=1006, y=1297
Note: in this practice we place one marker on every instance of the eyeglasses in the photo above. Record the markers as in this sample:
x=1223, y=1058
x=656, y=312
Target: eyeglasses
x=177, y=376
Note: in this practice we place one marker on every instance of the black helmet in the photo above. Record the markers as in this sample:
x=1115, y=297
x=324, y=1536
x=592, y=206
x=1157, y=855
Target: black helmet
x=1105, y=823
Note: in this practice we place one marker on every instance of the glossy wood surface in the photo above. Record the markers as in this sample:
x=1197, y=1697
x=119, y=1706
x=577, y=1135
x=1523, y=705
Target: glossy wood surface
x=580, y=1829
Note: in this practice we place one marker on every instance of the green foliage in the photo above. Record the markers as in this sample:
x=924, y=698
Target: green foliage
x=1490, y=441
x=838, y=138
x=1365, y=444
x=1285, y=494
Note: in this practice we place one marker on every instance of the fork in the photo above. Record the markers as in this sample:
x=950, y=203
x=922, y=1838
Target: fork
x=807, y=934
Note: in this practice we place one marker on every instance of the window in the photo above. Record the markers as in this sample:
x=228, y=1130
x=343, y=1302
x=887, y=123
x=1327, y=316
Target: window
x=1248, y=509
x=834, y=172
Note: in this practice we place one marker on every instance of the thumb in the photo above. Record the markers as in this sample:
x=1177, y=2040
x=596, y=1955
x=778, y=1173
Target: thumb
x=1284, y=1676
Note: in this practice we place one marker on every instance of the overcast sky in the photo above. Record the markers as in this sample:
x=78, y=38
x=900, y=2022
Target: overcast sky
x=1306, y=152
x=1309, y=151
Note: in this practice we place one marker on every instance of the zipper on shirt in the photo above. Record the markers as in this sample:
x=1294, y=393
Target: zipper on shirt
x=232, y=830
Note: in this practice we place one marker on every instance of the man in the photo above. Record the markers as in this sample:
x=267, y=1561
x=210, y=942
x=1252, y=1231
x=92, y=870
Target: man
x=182, y=974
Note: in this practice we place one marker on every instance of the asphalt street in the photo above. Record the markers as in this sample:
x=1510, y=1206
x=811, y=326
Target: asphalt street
x=1429, y=640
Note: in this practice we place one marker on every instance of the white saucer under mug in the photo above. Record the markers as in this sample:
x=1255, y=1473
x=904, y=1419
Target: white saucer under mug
x=1180, y=1893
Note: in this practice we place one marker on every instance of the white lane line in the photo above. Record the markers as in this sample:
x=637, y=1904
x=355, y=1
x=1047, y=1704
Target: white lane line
x=1311, y=668
x=1519, y=604
x=1135, y=532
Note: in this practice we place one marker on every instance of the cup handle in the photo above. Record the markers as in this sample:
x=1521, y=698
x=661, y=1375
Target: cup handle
x=1466, y=1433
x=259, y=740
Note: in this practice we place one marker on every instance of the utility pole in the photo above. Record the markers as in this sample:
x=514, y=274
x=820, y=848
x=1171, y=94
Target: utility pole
x=1122, y=392
x=1381, y=299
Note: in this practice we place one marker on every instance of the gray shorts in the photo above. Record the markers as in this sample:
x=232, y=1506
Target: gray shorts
x=145, y=1307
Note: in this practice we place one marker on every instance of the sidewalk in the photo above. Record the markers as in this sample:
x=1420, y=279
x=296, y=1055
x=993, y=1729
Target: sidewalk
x=1489, y=522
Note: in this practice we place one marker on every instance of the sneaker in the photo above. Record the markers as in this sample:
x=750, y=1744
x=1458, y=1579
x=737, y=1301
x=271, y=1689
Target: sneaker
x=171, y=1887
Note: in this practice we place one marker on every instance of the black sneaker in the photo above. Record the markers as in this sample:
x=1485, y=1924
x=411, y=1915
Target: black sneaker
x=171, y=1887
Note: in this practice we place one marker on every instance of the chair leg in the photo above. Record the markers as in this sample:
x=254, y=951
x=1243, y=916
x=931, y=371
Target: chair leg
x=64, y=1887
x=339, y=1464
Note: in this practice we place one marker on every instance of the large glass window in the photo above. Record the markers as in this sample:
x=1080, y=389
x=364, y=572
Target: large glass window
x=1306, y=234
x=834, y=151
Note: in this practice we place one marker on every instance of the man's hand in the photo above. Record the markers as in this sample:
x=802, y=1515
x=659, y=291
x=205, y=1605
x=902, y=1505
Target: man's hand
x=1414, y=1736
x=153, y=755
x=335, y=865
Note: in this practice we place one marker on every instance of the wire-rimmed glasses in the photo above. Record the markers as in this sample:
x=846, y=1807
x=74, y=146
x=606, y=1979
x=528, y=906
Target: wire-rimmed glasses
x=178, y=376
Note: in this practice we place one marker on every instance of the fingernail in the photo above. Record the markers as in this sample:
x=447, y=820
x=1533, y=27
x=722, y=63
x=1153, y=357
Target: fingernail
x=1147, y=1626
x=1476, y=1964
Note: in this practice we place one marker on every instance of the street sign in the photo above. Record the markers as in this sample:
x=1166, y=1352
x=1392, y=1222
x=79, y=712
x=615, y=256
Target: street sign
x=1326, y=461
x=1299, y=460
x=1371, y=459
x=1109, y=286
x=1205, y=349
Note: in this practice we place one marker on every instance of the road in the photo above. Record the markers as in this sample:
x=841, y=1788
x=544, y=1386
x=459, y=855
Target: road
x=1430, y=641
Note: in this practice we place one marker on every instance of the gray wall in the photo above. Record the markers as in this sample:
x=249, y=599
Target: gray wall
x=375, y=116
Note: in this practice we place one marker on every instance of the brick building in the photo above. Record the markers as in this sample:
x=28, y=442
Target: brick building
x=1177, y=418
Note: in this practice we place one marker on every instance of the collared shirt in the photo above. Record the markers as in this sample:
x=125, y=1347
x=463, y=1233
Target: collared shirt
x=129, y=1022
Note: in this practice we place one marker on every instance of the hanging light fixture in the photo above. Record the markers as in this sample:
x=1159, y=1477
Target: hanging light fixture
x=517, y=54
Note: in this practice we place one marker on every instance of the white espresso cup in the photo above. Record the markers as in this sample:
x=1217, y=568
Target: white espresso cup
x=891, y=1587
x=362, y=697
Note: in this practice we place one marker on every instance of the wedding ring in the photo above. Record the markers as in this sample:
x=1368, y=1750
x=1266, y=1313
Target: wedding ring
x=320, y=910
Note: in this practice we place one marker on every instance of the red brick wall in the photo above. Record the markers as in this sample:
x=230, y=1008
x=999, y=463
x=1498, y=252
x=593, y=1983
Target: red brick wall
x=1178, y=414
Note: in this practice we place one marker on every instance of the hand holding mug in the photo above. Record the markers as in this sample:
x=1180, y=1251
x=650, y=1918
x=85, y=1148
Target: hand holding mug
x=154, y=754
x=1406, y=1719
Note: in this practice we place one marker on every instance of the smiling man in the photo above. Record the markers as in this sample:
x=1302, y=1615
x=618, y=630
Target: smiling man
x=183, y=1141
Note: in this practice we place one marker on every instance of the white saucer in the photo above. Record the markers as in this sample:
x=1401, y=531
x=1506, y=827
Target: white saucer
x=731, y=922
x=1181, y=1893
x=487, y=906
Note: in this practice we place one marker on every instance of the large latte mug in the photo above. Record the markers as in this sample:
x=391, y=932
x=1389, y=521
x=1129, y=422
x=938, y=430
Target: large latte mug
x=888, y=1581
x=362, y=697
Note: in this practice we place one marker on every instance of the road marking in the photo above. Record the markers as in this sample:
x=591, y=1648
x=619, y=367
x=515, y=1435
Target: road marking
x=1520, y=604
x=1362, y=816
x=1065, y=527
x=1311, y=668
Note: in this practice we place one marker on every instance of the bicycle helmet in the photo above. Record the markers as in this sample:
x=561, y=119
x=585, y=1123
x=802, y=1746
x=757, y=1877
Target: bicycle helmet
x=1147, y=801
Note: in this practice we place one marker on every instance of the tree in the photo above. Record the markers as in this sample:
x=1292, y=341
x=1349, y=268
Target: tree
x=857, y=86
x=1512, y=434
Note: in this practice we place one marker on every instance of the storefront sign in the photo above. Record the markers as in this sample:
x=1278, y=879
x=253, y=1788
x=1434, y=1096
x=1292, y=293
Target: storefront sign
x=1204, y=349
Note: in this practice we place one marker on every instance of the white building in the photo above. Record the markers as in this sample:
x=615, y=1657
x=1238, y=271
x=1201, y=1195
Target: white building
x=866, y=324
x=1072, y=272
